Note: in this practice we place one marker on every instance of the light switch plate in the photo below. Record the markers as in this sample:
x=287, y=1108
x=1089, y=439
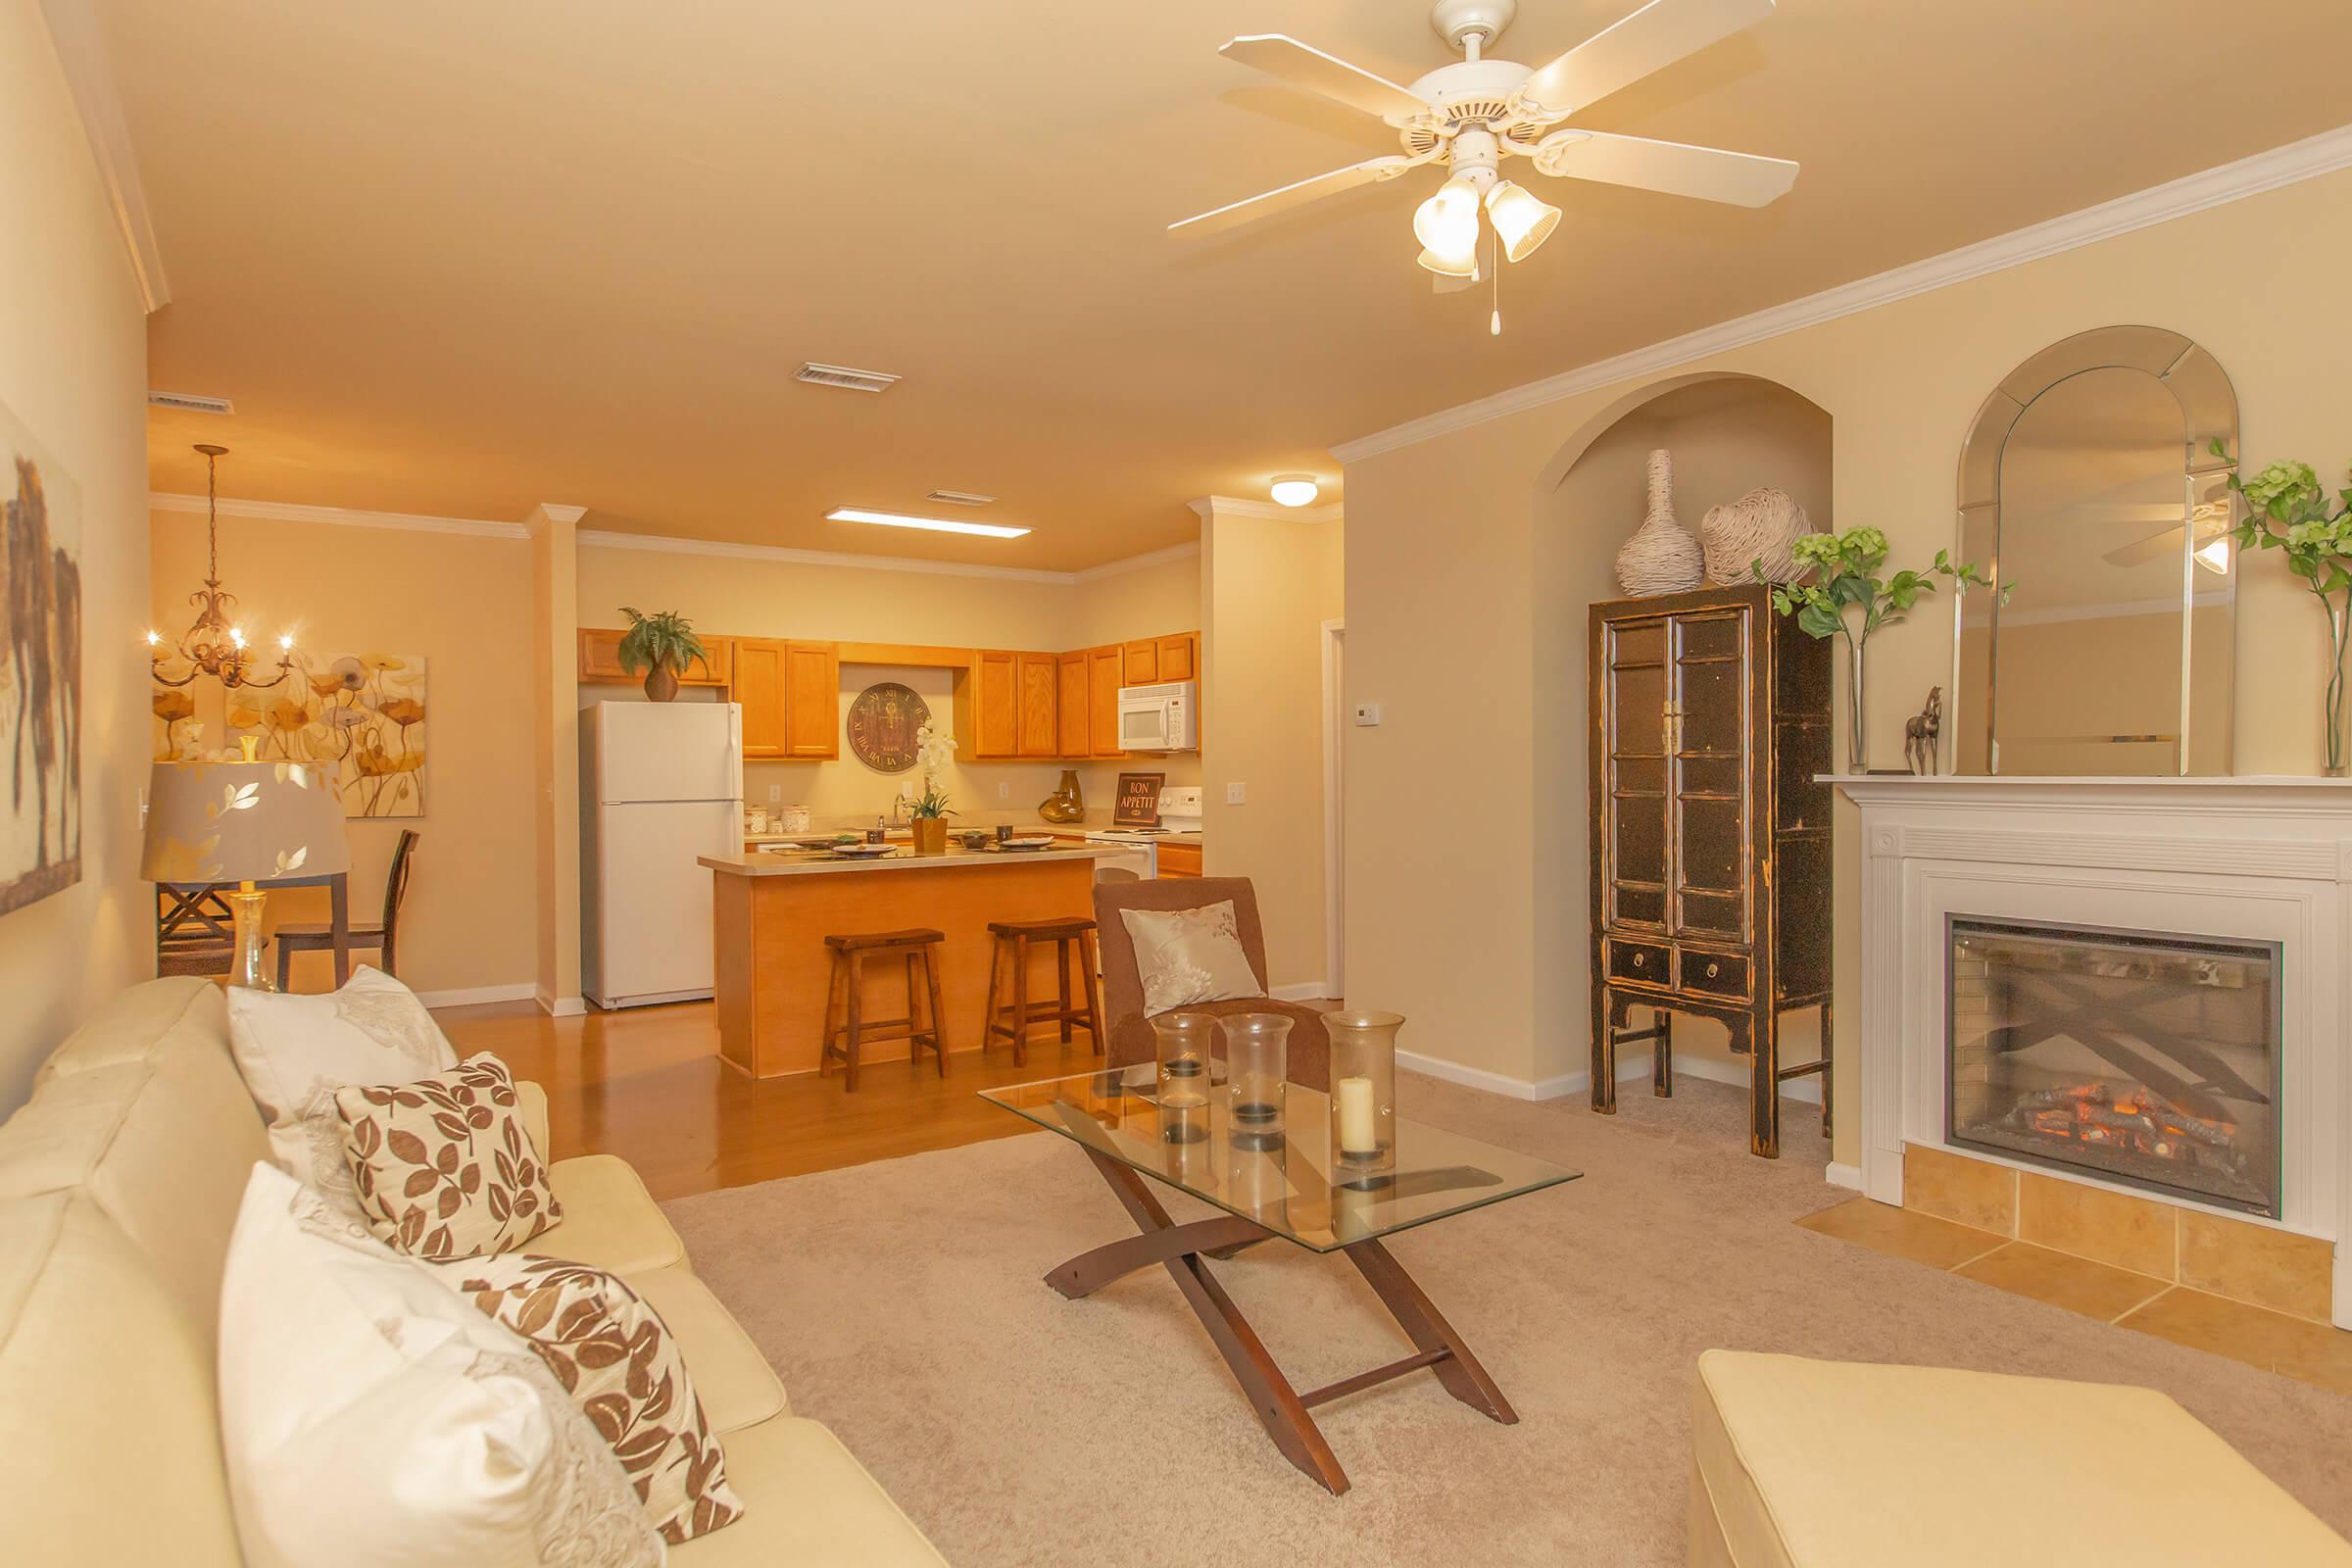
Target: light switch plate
x=1237, y=794
x=1003, y=792
x=775, y=793
x=1367, y=713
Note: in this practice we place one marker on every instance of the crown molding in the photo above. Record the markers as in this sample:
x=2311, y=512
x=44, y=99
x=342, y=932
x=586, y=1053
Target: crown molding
x=419, y=522
x=2327, y=153
x=341, y=517
x=81, y=47
x=1265, y=510
x=1154, y=557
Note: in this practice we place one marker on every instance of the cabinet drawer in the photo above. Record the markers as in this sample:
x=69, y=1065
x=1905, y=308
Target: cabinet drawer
x=1717, y=974
x=1641, y=963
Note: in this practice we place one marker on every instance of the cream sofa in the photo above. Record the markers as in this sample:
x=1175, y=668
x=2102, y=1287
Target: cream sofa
x=119, y=1184
x=1798, y=1463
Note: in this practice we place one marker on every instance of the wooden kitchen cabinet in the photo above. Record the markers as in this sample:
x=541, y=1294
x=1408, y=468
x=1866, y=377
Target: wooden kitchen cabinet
x=988, y=706
x=1076, y=705
x=1178, y=860
x=1151, y=661
x=1039, y=676
x=599, y=660
x=812, y=700
x=1103, y=668
x=1142, y=662
x=760, y=687
x=790, y=691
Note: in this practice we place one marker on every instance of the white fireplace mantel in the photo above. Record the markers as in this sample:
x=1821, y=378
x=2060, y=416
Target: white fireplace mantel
x=2257, y=858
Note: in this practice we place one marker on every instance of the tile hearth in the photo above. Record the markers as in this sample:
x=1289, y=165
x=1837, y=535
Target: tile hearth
x=2292, y=1346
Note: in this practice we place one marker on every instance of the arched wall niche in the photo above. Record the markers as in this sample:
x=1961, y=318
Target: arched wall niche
x=1728, y=433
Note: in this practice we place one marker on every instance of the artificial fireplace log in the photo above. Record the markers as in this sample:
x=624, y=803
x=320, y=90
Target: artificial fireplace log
x=2086, y=1019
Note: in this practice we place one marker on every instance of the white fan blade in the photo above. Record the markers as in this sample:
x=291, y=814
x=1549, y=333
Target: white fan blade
x=2163, y=541
x=1267, y=203
x=1303, y=64
x=1649, y=40
x=1708, y=173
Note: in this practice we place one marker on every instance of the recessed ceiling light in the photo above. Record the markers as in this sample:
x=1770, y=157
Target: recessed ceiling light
x=1294, y=489
x=893, y=520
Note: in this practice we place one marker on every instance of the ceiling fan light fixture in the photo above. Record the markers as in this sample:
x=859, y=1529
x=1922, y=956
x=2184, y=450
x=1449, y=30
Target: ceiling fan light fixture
x=1447, y=224
x=1462, y=265
x=1523, y=220
x=2213, y=553
x=1294, y=490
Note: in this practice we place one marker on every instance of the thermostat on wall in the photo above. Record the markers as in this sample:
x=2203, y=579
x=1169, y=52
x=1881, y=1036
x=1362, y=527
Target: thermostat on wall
x=1367, y=713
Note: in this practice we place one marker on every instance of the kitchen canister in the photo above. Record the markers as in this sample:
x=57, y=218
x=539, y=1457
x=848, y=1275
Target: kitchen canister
x=793, y=819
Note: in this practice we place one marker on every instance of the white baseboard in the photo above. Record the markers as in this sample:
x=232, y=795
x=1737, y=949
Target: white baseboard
x=1567, y=1083
x=475, y=995
x=1845, y=1176
x=555, y=1006
x=1303, y=991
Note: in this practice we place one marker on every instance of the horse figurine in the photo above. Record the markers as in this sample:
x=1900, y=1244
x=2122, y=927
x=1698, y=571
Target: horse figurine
x=1921, y=731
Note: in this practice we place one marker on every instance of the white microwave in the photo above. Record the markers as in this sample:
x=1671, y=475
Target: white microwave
x=1160, y=718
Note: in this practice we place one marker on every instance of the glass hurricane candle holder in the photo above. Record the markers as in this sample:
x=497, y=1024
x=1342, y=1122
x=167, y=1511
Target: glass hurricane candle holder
x=1185, y=1053
x=1363, y=1096
x=1256, y=1065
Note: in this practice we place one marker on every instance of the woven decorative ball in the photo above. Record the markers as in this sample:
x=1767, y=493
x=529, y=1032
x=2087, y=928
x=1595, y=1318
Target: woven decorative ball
x=1760, y=525
x=1662, y=557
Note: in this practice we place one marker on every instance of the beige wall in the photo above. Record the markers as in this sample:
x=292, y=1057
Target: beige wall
x=1442, y=599
x=454, y=599
x=1272, y=583
x=73, y=371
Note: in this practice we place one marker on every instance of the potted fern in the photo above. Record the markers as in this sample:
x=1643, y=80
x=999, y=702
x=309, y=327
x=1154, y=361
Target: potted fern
x=661, y=644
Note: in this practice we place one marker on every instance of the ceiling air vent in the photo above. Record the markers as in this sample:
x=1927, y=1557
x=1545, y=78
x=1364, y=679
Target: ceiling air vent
x=960, y=498
x=190, y=402
x=841, y=375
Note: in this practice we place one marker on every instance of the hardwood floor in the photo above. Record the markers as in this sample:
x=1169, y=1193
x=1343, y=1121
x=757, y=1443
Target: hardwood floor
x=648, y=1085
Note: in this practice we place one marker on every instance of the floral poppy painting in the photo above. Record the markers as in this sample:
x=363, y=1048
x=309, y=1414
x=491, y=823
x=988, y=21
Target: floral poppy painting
x=363, y=714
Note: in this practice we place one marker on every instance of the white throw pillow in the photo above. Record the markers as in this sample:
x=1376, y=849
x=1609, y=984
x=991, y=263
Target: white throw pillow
x=1190, y=956
x=372, y=1418
x=295, y=1051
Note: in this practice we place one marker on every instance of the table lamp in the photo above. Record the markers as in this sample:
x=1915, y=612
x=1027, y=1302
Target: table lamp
x=246, y=821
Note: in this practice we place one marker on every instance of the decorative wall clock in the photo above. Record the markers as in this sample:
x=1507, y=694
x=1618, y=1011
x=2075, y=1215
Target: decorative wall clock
x=883, y=721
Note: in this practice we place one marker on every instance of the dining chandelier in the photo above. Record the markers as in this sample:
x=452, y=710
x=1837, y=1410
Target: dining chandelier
x=214, y=645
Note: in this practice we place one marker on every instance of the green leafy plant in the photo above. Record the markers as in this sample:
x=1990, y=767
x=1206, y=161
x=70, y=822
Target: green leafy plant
x=1849, y=599
x=2287, y=509
x=662, y=637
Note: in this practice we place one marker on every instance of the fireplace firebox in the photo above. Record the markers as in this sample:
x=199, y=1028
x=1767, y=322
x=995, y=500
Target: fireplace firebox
x=2138, y=1058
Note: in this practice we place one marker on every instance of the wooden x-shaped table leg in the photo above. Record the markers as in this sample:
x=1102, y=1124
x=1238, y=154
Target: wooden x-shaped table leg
x=1281, y=1409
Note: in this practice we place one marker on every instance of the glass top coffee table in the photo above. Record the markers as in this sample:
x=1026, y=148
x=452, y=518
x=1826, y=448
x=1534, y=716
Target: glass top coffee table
x=1276, y=1182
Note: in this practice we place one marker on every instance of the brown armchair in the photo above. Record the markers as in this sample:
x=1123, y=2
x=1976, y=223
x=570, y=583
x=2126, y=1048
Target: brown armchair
x=1131, y=1038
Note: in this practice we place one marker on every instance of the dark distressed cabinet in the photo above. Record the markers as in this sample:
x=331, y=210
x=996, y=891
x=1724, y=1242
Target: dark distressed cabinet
x=1711, y=866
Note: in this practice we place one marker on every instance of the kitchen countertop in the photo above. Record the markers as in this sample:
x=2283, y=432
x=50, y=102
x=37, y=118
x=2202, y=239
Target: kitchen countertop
x=762, y=863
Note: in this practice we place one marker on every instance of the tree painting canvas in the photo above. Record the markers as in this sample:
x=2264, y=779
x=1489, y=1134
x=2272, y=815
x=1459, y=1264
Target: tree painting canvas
x=40, y=672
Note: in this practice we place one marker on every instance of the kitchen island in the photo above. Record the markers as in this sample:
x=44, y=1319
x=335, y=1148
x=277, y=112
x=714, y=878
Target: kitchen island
x=772, y=913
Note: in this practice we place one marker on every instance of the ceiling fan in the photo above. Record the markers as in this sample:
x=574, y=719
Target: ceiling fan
x=1474, y=114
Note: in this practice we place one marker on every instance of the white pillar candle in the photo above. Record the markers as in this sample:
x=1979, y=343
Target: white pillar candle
x=1359, y=1129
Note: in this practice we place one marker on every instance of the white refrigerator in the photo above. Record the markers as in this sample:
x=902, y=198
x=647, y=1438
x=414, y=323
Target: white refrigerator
x=660, y=783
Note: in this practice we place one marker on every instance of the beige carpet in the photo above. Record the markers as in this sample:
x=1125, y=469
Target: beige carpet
x=904, y=1305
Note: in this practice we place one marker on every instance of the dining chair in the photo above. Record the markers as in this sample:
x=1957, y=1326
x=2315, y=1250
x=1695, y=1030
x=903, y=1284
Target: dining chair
x=384, y=937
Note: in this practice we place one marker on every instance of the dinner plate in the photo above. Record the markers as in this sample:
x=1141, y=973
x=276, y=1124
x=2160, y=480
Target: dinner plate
x=1027, y=844
x=865, y=852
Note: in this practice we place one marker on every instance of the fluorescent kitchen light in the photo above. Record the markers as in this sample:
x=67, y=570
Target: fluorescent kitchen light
x=894, y=519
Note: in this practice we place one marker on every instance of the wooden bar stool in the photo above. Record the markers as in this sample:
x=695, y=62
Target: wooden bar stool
x=846, y=1027
x=1012, y=1018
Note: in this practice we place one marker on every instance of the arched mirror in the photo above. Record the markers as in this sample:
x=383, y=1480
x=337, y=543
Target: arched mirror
x=2088, y=481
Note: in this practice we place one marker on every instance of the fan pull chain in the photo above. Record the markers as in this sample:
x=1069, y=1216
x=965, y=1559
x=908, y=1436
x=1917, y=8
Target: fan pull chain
x=1494, y=267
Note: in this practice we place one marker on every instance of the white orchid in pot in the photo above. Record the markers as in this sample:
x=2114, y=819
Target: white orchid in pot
x=934, y=754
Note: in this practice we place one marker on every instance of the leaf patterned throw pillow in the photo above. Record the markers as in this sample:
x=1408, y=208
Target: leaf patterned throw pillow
x=1184, y=957
x=619, y=1363
x=443, y=1166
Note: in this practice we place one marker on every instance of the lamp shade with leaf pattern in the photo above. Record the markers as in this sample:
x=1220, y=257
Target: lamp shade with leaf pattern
x=239, y=821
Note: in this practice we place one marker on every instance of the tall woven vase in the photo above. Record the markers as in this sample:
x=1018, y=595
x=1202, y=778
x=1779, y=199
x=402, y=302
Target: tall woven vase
x=1661, y=557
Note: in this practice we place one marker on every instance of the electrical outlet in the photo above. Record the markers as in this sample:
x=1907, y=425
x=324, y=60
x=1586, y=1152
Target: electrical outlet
x=1367, y=715
x=1003, y=792
x=1237, y=794
x=776, y=794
